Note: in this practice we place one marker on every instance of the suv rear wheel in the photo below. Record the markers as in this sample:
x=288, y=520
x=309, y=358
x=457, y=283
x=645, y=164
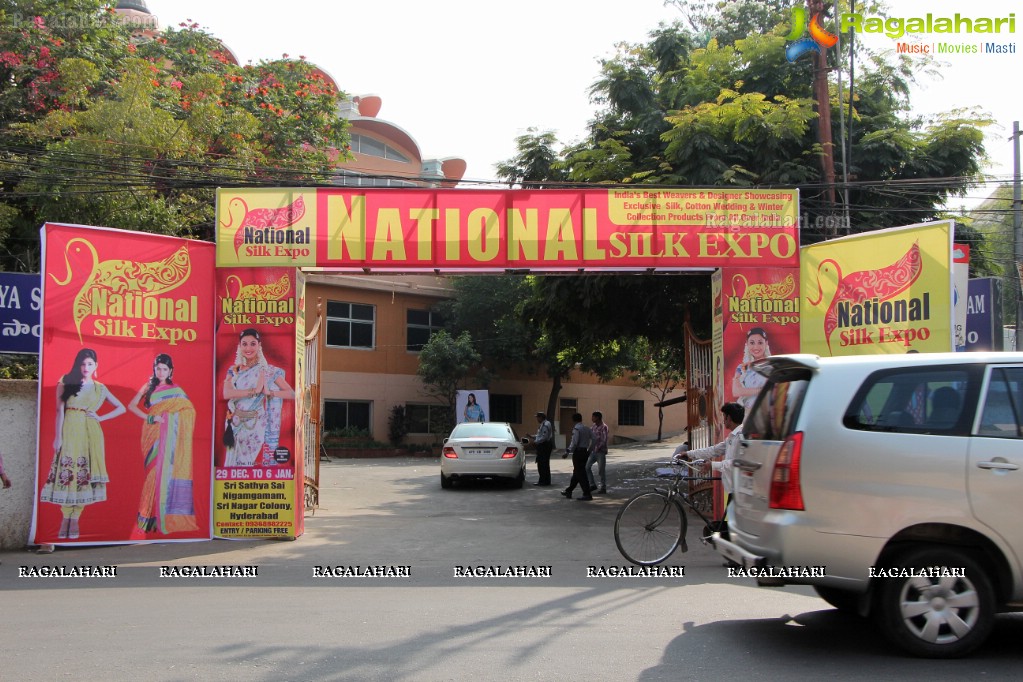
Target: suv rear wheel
x=941, y=616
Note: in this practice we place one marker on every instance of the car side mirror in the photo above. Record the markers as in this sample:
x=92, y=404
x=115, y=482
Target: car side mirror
x=525, y=440
x=444, y=441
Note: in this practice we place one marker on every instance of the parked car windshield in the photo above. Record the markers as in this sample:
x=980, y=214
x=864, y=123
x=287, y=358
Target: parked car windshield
x=477, y=430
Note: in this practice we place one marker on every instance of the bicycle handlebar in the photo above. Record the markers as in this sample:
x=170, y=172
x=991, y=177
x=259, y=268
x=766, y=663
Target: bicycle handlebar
x=694, y=465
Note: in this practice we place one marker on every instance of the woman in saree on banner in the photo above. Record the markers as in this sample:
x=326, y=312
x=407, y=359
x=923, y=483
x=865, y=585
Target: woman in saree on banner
x=78, y=475
x=746, y=383
x=166, y=504
x=255, y=391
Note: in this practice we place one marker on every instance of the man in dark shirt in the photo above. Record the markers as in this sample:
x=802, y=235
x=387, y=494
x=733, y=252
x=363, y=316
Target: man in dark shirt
x=579, y=448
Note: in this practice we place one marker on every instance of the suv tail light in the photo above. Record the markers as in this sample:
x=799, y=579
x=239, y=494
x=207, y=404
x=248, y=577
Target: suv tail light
x=510, y=453
x=786, y=492
x=449, y=452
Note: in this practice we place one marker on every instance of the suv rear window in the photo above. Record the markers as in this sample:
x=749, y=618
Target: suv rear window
x=913, y=400
x=773, y=415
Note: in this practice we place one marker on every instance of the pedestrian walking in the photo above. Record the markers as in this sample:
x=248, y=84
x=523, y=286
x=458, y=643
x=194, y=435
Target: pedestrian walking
x=579, y=448
x=598, y=453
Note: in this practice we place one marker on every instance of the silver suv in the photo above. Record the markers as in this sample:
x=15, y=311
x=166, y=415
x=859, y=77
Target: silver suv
x=892, y=484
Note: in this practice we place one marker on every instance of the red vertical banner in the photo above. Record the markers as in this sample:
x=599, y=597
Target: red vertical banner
x=256, y=460
x=124, y=452
x=760, y=319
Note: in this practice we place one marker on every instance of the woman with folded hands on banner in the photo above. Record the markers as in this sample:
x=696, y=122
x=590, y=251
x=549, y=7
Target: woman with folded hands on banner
x=166, y=504
x=746, y=383
x=78, y=475
x=255, y=391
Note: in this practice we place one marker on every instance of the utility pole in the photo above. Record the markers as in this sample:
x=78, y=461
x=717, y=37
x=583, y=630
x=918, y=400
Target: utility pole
x=846, y=154
x=823, y=97
x=1017, y=227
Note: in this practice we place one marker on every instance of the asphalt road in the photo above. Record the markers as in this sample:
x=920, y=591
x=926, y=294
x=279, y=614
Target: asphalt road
x=287, y=623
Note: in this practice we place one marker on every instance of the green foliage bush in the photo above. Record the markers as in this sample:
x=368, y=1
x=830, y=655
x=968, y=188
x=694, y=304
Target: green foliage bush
x=397, y=425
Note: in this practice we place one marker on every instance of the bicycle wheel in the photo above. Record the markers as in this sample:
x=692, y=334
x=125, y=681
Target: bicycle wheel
x=648, y=528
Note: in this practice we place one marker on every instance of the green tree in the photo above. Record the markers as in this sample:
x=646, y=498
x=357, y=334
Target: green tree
x=489, y=310
x=989, y=231
x=715, y=103
x=104, y=129
x=576, y=331
x=662, y=373
x=445, y=363
x=534, y=165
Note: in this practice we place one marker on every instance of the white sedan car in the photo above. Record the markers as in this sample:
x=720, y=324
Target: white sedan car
x=483, y=450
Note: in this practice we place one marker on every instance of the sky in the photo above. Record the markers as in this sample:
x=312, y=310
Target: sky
x=466, y=78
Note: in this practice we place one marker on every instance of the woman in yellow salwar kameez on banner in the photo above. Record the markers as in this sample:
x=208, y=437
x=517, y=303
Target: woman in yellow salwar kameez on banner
x=166, y=504
x=78, y=475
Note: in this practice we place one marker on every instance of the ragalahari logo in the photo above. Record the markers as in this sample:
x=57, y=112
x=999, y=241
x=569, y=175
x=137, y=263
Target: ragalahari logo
x=818, y=38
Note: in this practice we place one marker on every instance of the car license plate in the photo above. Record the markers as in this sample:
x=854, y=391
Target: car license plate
x=746, y=482
x=483, y=452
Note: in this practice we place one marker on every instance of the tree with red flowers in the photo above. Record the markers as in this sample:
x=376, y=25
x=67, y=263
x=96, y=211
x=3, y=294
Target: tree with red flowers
x=102, y=126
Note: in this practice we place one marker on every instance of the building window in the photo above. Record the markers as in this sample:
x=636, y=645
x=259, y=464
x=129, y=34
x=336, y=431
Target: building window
x=506, y=408
x=434, y=419
x=630, y=413
x=421, y=325
x=362, y=144
x=347, y=414
x=350, y=179
x=350, y=325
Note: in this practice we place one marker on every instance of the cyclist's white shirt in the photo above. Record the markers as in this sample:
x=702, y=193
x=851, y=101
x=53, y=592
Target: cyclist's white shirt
x=722, y=453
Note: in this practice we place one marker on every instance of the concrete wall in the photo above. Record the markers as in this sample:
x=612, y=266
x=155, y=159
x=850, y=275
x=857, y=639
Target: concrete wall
x=18, y=445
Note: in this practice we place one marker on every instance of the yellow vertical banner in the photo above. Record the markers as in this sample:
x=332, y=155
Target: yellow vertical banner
x=888, y=291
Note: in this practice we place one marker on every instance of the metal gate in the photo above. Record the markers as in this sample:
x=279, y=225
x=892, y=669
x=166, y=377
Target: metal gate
x=699, y=389
x=311, y=421
x=700, y=402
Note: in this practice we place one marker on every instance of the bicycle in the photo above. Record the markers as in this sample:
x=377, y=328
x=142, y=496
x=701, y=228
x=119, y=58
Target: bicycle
x=652, y=524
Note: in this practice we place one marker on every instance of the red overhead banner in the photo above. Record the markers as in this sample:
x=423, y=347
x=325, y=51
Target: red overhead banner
x=492, y=230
